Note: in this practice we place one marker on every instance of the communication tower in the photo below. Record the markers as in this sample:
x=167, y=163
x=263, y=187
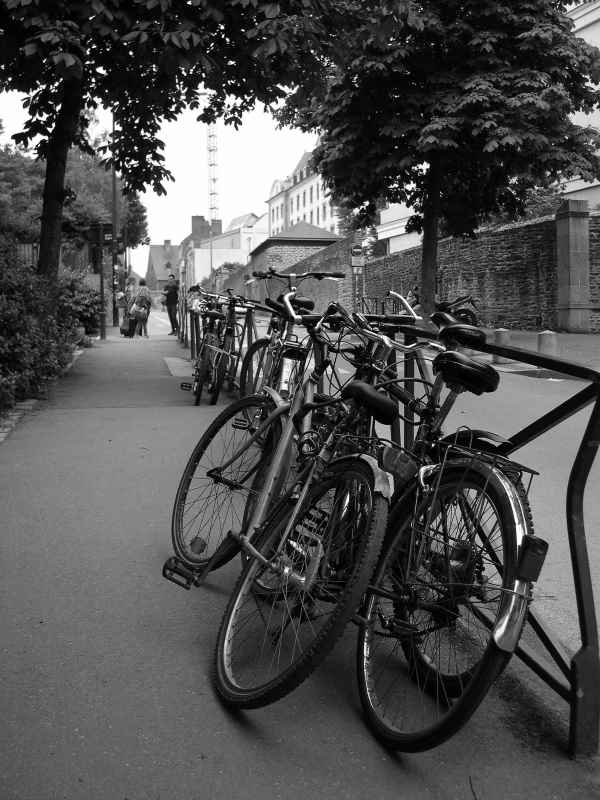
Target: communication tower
x=213, y=192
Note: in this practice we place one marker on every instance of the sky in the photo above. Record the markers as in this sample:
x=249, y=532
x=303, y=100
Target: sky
x=248, y=161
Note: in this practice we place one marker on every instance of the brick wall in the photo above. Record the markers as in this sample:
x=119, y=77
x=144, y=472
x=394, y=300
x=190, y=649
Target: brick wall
x=509, y=270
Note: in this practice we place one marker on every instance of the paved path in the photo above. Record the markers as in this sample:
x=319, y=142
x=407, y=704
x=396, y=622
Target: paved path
x=104, y=680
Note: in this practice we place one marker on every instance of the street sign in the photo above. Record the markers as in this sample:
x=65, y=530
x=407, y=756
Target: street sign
x=356, y=250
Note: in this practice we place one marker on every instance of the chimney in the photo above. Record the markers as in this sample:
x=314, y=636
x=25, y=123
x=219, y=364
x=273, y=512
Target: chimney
x=167, y=244
x=217, y=227
x=200, y=229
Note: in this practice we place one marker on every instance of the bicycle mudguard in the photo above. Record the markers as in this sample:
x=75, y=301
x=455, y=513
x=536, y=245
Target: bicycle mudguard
x=276, y=397
x=382, y=480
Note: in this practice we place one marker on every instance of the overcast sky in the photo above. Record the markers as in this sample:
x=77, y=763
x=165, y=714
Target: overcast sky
x=249, y=160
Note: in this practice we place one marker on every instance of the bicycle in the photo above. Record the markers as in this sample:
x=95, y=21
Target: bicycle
x=270, y=359
x=448, y=601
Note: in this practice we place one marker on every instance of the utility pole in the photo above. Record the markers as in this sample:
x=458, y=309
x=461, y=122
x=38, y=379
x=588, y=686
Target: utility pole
x=213, y=194
x=115, y=228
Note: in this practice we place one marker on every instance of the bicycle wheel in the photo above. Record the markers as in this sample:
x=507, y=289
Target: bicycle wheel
x=258, y=367
x=285, y=614
x=220, y=365
x=200, y=376
x=210, y=503
x=426, y=657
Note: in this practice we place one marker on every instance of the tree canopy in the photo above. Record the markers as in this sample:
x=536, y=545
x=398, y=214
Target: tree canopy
x=146, y=60
x=456, y=108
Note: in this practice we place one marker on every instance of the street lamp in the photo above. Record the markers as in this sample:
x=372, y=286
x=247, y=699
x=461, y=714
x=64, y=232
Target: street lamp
x=357, y=261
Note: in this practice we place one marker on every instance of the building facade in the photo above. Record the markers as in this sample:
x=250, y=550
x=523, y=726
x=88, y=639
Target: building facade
x=301, y=197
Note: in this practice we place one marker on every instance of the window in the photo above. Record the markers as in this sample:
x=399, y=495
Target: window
x=298, y=202
x=303, y=199
x=318, y=220
x=310, y=195
x=311, y=217
x=317, y=191
x=324, y=212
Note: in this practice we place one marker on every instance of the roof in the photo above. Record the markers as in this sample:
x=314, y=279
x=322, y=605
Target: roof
x=245, y=221
x=300, y=233
x=306, y=157
x=164, y=259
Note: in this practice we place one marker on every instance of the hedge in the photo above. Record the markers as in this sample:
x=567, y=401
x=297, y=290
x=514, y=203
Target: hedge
x=37, y=328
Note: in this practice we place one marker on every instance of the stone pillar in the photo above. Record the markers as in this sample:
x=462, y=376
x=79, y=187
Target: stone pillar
x=573, y=266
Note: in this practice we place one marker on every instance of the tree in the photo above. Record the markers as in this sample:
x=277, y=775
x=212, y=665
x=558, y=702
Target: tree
x=456, y=109
x=146, y=60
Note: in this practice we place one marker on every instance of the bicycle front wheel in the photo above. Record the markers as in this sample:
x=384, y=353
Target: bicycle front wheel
x=290, y=606
x=426, y=657
x=221, y=360
x=211, y=501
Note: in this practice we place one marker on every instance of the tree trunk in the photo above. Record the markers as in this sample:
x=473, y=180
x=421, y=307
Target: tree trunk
x=59, y=145
x=431, y=215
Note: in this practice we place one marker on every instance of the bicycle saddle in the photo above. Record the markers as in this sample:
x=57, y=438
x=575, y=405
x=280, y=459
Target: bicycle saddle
x=461, y=332
x=300, y=303
x=462, y=373
x=442, y=319
x=383, y=408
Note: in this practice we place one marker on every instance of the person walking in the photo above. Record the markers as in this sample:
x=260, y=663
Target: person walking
x=129, y=321
x=171, y=292
x=141, y=308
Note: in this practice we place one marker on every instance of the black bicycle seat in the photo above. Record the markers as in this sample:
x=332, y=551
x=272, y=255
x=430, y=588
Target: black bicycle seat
x=461, y=332
x=383, y=408
x=462, y=373
x=441, y=319
x=299, y=303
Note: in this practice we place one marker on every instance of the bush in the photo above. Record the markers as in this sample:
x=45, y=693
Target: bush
x=37, y=323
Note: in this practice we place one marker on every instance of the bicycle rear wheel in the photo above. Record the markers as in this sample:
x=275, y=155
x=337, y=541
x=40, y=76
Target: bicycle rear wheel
x=426, y=656
x=200, y=376
x=259, y=367
x=289, y=607
x=210, y=502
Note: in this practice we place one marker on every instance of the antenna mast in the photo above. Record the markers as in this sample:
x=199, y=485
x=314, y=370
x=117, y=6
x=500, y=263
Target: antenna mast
x=213, y=193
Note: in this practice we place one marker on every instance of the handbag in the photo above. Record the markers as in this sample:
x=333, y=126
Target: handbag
x=139, y=312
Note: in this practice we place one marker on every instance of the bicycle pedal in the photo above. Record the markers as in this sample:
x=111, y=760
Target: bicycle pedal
x=179, y=573
x=187, y=387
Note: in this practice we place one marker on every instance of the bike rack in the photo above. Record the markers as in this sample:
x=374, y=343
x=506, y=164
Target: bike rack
x=576, y=678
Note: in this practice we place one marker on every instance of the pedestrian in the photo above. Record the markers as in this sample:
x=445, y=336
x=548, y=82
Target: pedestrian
x=171, y=294
x=129, y=321
x=141, y=308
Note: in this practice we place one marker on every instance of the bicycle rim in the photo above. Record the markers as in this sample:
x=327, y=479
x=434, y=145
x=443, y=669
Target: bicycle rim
x=285, y=616
x=426, y=657
x=210, y=503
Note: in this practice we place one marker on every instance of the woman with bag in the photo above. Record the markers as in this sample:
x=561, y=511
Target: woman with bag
x=141, y=308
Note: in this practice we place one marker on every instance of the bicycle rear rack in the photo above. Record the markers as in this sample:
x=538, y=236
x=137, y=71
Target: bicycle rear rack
x=576, y=677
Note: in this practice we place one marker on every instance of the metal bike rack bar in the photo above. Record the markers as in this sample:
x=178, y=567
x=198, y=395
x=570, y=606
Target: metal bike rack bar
x=576, y=678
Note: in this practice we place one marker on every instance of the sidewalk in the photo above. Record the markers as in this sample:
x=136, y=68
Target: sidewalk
x=105, y=687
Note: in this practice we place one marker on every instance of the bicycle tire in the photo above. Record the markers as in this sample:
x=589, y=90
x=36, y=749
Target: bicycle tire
x=221, y=362
x=204, y=510
x=256, y=369
x=422, y=672
x=336, y=540
x=200, y=375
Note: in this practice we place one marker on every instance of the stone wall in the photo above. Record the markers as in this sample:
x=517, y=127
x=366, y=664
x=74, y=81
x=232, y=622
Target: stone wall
x=510, y=271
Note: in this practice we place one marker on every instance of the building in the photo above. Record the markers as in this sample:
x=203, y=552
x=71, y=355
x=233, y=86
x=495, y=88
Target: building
x=203, y=253
x=163, y=259
x=392, y=227
x=301, y=197
x=285, y=249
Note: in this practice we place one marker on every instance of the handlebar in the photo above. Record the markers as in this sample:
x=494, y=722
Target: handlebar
x=288, y=276
x=409, y=309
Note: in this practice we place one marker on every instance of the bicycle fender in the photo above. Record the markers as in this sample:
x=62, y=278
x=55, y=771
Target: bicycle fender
x=470, y=437
x=275, y=396
x=382, y=480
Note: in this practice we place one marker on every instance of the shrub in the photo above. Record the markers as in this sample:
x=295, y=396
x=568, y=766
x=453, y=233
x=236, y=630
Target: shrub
x=36, y=329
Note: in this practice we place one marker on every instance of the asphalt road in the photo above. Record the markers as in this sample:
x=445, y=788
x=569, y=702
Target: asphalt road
x=105, y=689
